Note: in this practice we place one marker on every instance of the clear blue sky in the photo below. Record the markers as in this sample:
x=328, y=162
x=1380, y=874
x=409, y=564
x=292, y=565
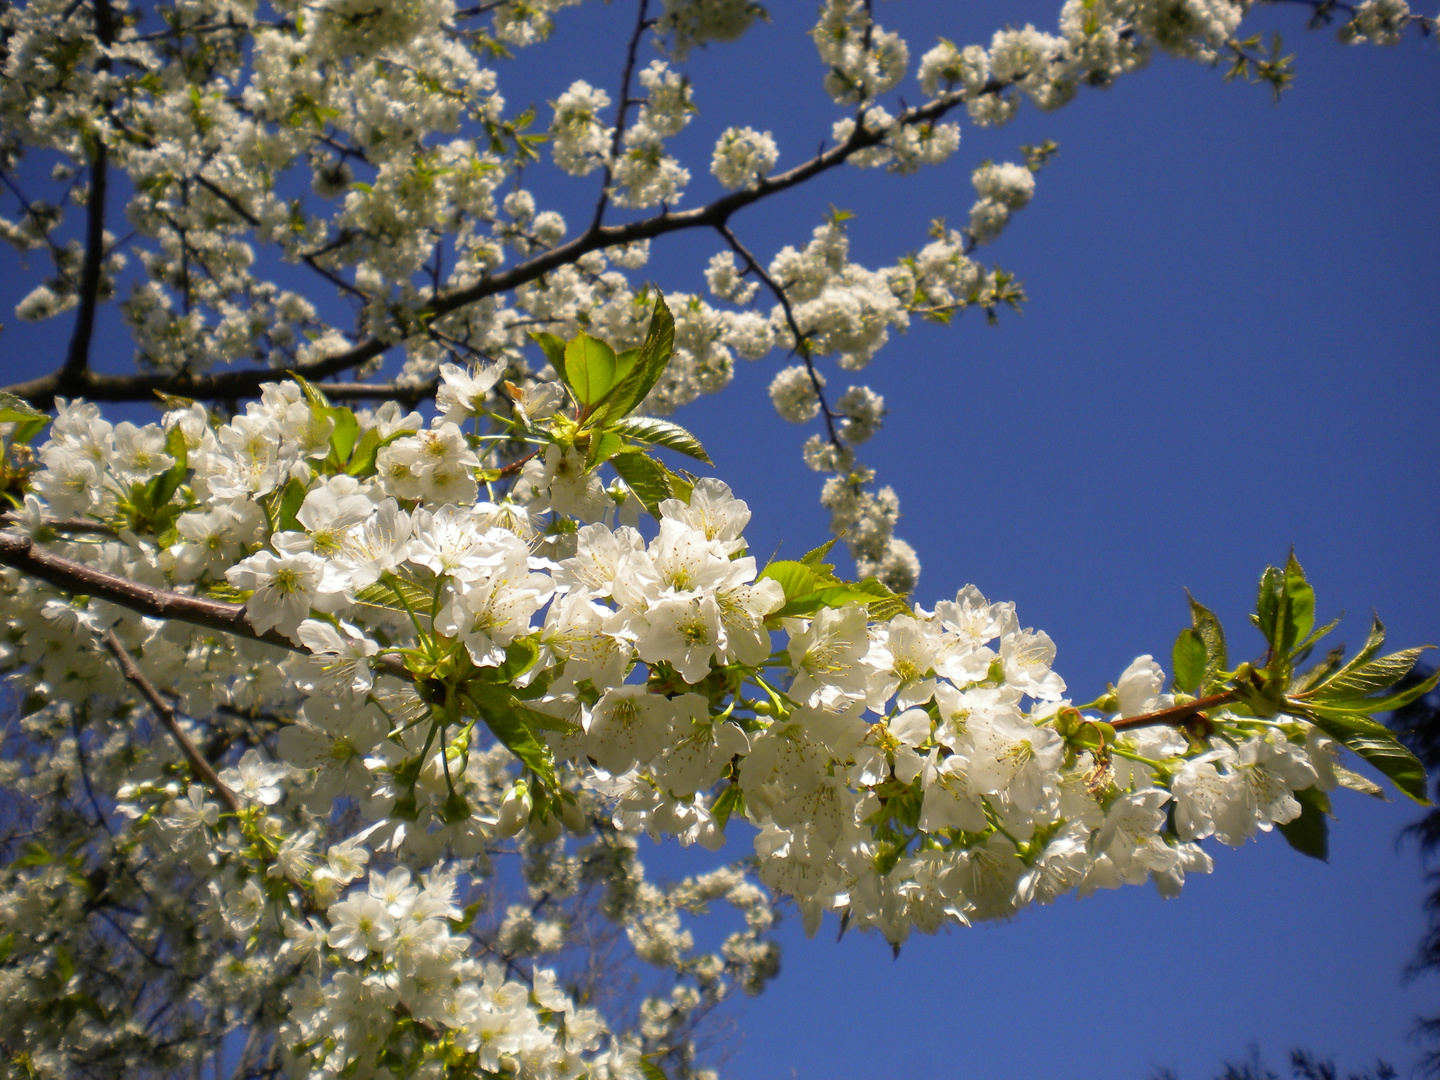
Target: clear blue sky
x=1230, y=348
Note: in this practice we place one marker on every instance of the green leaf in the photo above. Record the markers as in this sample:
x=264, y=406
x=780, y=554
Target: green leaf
x=815, y=556
x=645, y=478
x=344, y=434
x=1309, y=833
x=362, y=458
x=1188, y=657
x=589, y=368
x=520, y=657
x=1204, y=623
x=290, y=500
x=1298, y=616
x=731, y=801
x=1377, y=745
x=382, y=594
x=28, y=420
x=603, y=446
x=681, y=484
x=510, y=727
x=1352, y=682
x=160, y=488
x=554, y=349
x=15, y=410
x=313, y=393
x=1306, y=679
x=650, y=1071
x=1381, y=704
x=1269, y=605
x=632, y=387
x=661, y=433
x=796, y=578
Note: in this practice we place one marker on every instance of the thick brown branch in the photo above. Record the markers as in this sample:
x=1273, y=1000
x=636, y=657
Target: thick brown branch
x=166, y=713
x=76, y=578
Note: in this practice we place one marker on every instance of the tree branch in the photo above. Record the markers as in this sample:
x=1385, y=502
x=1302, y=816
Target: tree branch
x=801, y=344
x=166, y=713
x=1179, y=714
x=237, y=384
x=75, y=578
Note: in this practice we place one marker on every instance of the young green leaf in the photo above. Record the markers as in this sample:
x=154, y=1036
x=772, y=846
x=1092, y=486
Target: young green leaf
x=343, y=435
x=313, y=394
x=632, y=387
x=589, y=368
x=362, y=457
x=1204, y=623
x=731, y=801
x=815, y=557
x=167, y=483
x=796, y=578
x=510, y=727
x=1299, y=610
x=661, y=433
x=1188, y=657
x=1270, y=605
x=14, y=410
x=1309, y=833
x=554, y=350
x=1355, y=683
x=645, y=478
x=1377, y=745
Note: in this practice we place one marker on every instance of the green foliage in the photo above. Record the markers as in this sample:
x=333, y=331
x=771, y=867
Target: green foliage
x=1309, y=833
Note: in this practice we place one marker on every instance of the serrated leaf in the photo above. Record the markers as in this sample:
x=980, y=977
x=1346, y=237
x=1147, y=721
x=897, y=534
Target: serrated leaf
x=383, y=594
x=1377, y=745
x=1384, y=703
x=1306, y=679
x=645, y=478
x=834, y=596
x=662, y=433
x=508, y=725
x=654, y=355
x=796, y=578
x=1352, y=682
x=1297, y=617
x=1204, y=622
x=1355, y=782
x=1309, y=833
x=589, y=368
x=1270, y=604
x=1188, y=660
x=815, y=556
x=554, y=350
x=15, y=410
x=682, y=485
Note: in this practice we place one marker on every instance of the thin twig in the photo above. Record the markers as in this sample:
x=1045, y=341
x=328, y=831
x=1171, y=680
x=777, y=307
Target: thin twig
x=622, y=109
x=802, y=346
x=166, y=713
x=236, y=384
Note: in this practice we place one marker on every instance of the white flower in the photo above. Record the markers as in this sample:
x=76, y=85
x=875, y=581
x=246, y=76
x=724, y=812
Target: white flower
x=286, y=587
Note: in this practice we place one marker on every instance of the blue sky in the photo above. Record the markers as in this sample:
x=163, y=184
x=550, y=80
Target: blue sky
x=1230, y=348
